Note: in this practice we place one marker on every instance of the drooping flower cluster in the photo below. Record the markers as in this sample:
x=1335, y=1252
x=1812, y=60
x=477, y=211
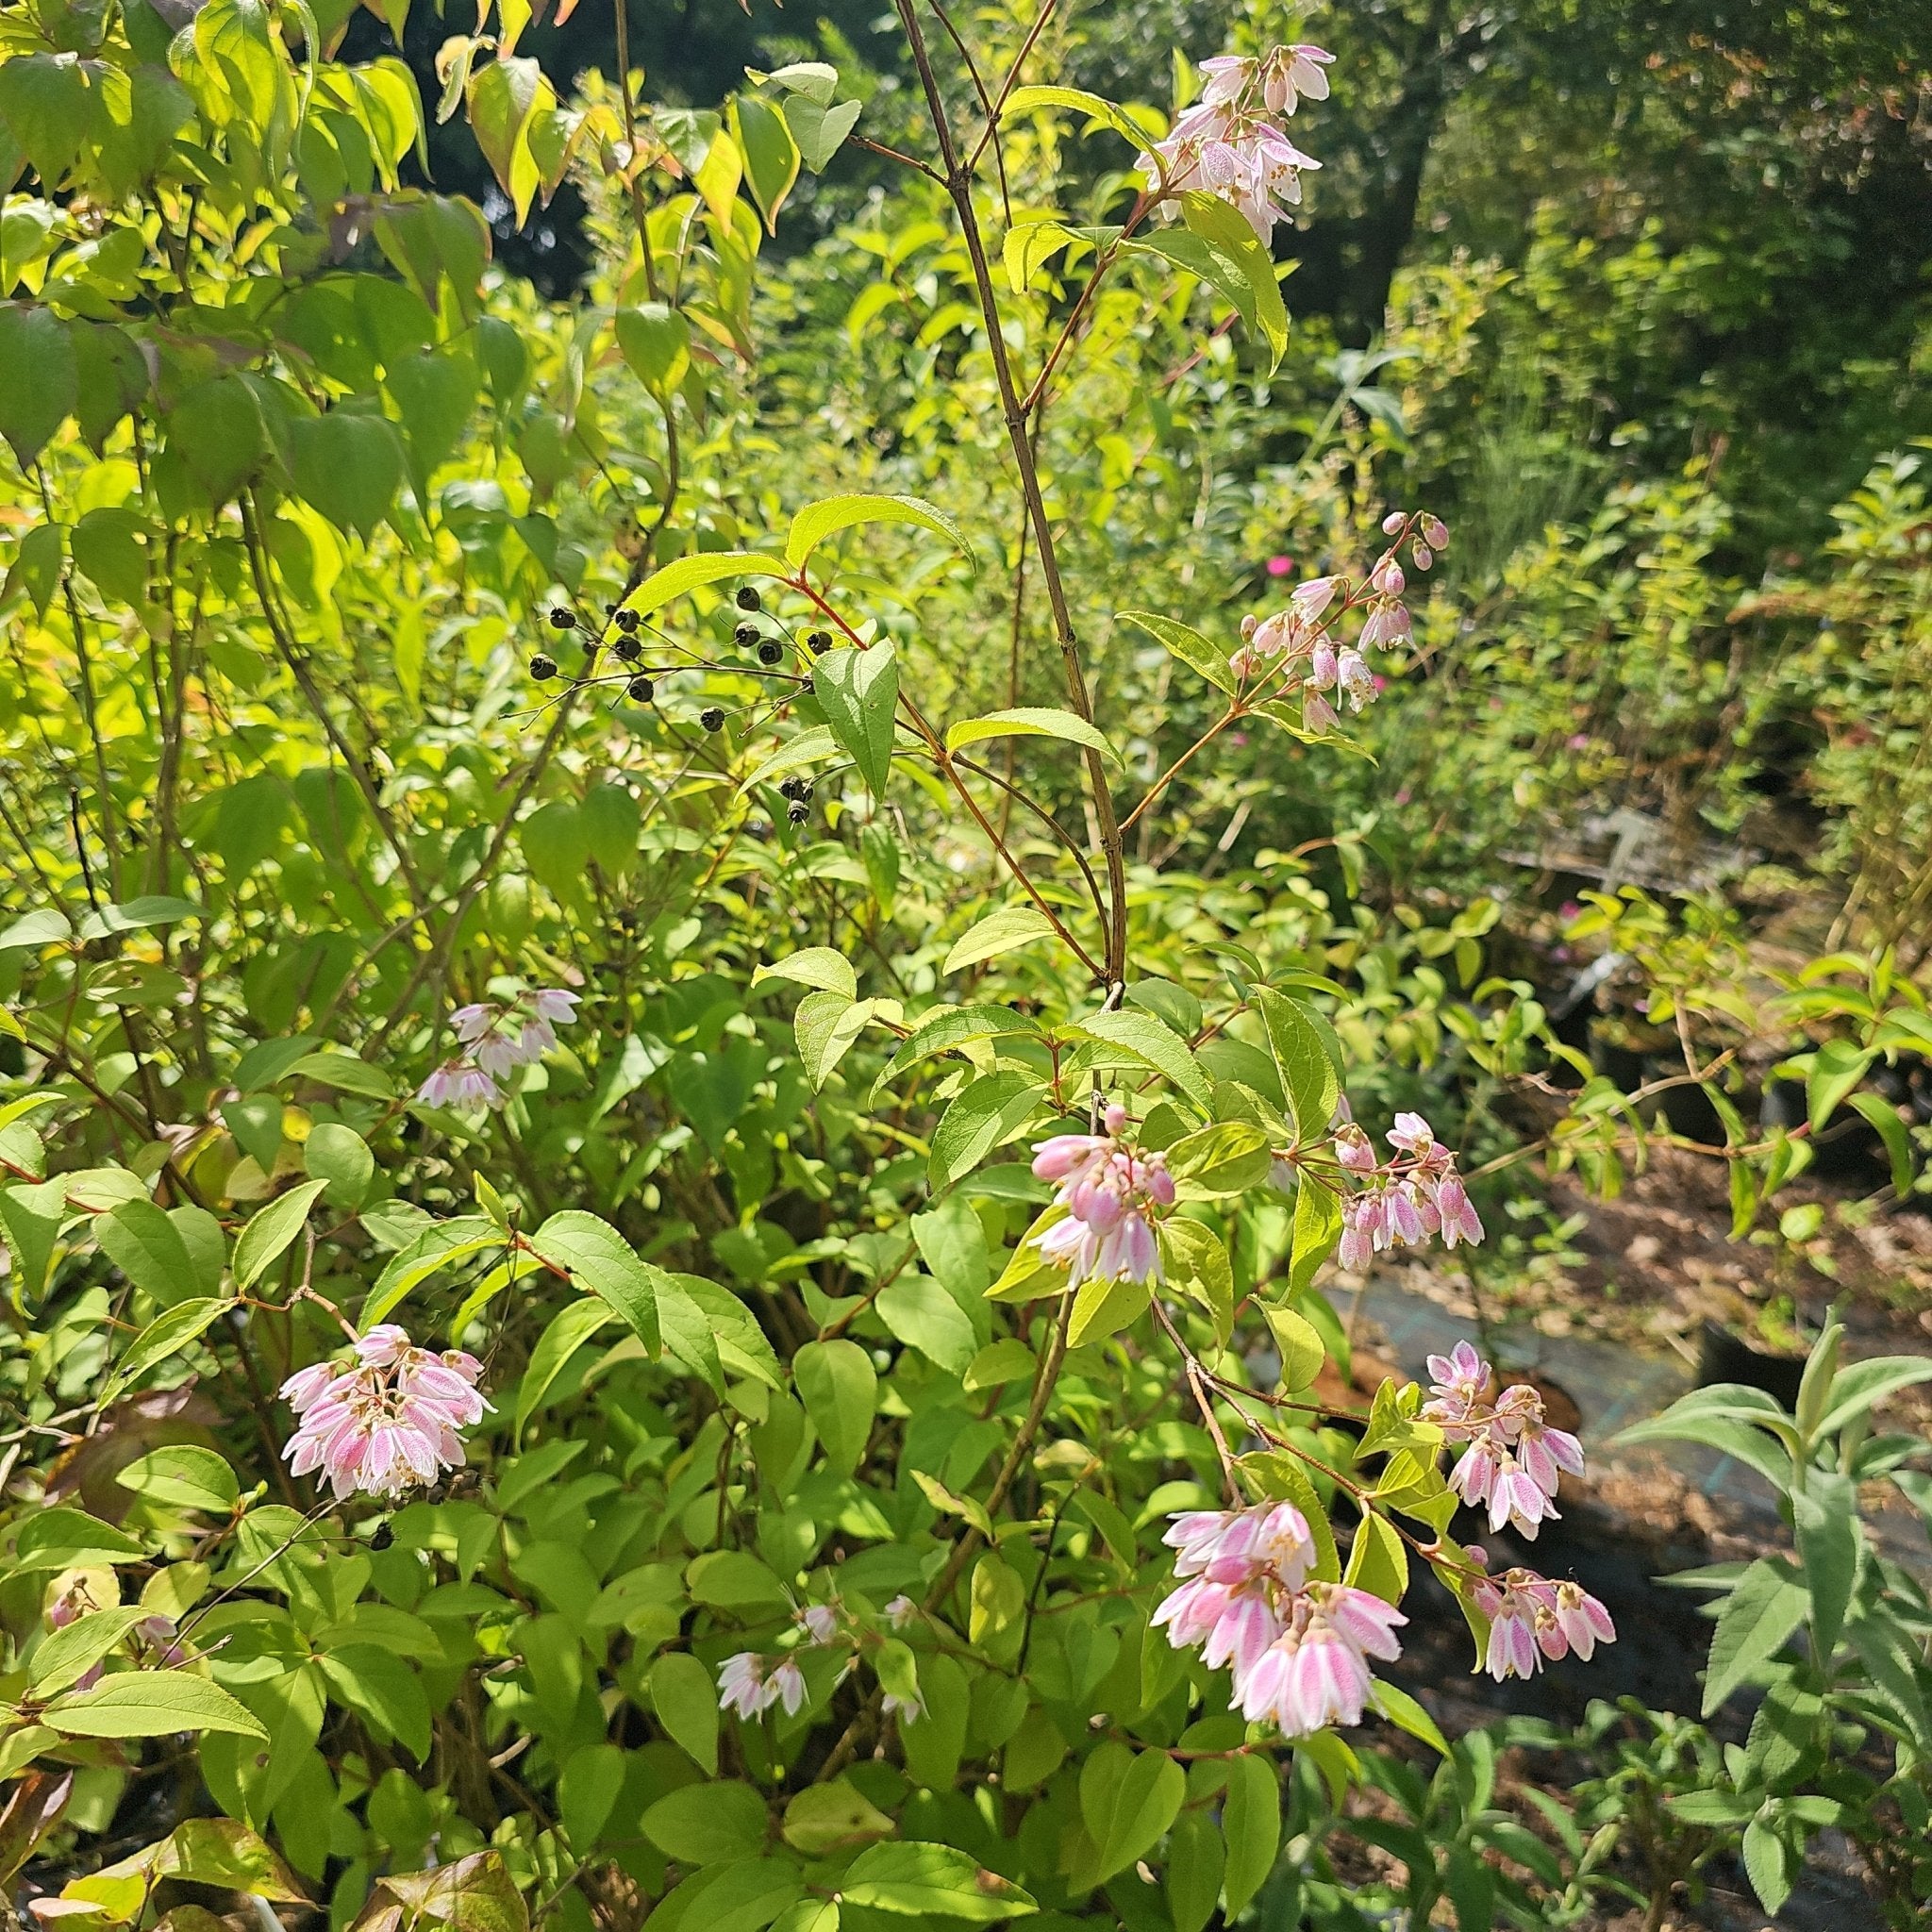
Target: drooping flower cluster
x=1228, y=144
x=1112, y=1195
x=495, y=1041
x=389, y=1421
x=1400, y=1202
x=1299, y=1649
x=751, y=1684
x=1515, y=1457
x=1532, y=1617
x=1295, y=647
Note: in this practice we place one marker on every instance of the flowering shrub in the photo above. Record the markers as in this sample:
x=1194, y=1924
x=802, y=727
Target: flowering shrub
x=490, y=877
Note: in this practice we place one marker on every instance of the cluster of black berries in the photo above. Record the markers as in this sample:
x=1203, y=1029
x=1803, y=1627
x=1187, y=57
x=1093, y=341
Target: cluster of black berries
x=748, y=637
x=799, y=791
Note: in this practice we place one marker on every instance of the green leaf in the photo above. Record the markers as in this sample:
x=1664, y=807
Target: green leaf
x=924, y=1316
x=1299, y=1344
x=706, y=567
x=383, y=1691
x=819, y=129
x=980, y=1118
x=816, y=966
x=1030, y=722
x=771, y=155
x=216, y=428
x=1864, y=1384
x=825, y=1819
x=1837, y=1067
x=436, y=1247
x=271, y=1231
x=1024, y=100
x=598, y=1259
x=166, y=1335
x=349, y=465
x=149, y=1703
x=37, y=353
x=839, y=1387
x=708, y=1823
x=1826, y=1517
x=1768, y=1865
x=818, y=521
x=655, y=342
x=922, y=1881
x=998, y=932
x=1251, y=1820
x=1145, y=1802
x=1767, y=1605
x=1226, y=1158
x=1310, y=1077
x=686, y=1702
x=1196, y=1858
x=112, y=547
x=1376, y=1561
x=340, y=1158
x=568, y=1330
x=1880, y=1113
x=859, y=691
x=734, y=1580
x=147, y=1247
x=1225, y=226
x=826, y=1026
x=69, y=1654
x=36, y=574
x=1407, y=1714
x=1157, y=1044
x=1182, y=641
x=63, y=1538
x=184, y=1476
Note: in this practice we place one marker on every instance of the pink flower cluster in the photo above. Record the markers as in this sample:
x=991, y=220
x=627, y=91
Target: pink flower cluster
x=495, y=1041
x=1294, y=645
x=387, y=1423
x=751, y=1684
x=1229, y=145
x=1299, y=1649
x=1403, y=1201
x=1515, y=1458
x=1111, y=1195
x=1531, y=1618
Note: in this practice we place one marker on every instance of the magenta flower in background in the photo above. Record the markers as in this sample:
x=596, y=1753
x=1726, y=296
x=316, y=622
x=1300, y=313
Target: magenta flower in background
x=1280, y=566
x=387, y=1424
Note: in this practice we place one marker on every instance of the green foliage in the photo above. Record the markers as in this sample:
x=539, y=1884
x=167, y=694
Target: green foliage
x=387, y=647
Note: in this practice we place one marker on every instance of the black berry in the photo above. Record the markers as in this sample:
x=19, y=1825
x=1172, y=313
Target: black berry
x=382, y=1537
x=626, y=649
x=746, y=634
x=542, y=667
x=820, y=641
x=561, y=619
x=712, y=720
x=747, y=598
x=769, y=653
x=799, y=813
x=626, y=619
x=641, y=689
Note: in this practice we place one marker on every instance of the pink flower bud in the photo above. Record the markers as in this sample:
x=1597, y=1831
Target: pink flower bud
x=1388, y=579
x=1434, y=532
x=1393, y=521
x=1423, y=555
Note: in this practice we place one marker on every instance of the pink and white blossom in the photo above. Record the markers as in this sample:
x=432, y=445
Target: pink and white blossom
x=1229, y=145
x=1316, y=1673
x=495, y=1041
x=1111, y=1194
x=741, y=1685
x=387, y=1423
x=1515, y=1456
x=1532, y=1617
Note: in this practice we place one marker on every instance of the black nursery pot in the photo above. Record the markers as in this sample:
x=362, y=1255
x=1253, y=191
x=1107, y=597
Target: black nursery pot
x=1723, y=1357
